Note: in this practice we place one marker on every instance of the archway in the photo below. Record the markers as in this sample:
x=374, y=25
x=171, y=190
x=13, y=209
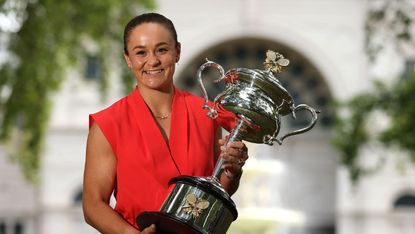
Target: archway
x=291, y=183
x=301, y=78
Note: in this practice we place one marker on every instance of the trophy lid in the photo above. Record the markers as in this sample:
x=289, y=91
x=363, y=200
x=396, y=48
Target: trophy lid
x=266, y=81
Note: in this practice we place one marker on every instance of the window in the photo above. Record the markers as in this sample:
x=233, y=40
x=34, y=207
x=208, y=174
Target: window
x=93, y=68
x=2, y=227
x=78, y=198
x=405, y=201
x=409, y=69
x=18, y=228
x=11, y=226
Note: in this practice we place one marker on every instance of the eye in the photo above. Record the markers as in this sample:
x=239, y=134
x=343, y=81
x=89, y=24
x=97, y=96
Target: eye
x=162, y=50
x=140, y=53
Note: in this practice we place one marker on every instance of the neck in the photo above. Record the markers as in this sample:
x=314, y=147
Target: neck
x=159, y=101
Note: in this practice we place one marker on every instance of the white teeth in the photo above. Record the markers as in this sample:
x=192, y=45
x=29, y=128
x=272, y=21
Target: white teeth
x=153, y=72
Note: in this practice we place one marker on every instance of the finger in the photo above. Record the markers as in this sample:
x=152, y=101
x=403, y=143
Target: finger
x=236, y=144
x=232, y=176
x=234, y=169
x=229, y=159
x=239, y=145
x=222, y=142
x=235, y=152
x=150, y=230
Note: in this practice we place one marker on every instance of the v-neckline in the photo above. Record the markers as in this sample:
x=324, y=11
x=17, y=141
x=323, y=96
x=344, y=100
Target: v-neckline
x=163, y=133
x=177, y=145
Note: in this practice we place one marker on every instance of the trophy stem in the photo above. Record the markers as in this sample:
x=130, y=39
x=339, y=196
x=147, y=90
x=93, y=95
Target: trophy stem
x=236, y=134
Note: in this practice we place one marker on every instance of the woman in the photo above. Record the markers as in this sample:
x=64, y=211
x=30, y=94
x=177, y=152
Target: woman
x=156, y=133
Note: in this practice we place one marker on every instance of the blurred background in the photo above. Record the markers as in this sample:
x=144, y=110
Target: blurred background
x=354, y=173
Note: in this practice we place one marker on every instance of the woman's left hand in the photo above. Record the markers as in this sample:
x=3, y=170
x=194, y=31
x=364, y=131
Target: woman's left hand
x=234, y=154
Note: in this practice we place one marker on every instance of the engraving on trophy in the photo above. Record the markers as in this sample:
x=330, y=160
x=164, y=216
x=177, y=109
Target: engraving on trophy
x=194, y=205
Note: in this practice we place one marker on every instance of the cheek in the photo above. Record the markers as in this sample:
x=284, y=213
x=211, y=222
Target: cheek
x=170, y=61
x=137, y=63
x=169, y=58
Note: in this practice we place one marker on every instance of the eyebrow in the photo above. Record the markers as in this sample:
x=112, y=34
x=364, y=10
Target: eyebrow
x=142, y=47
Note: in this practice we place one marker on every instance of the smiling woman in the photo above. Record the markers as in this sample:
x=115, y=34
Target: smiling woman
x=158, y=132
x=151, y=54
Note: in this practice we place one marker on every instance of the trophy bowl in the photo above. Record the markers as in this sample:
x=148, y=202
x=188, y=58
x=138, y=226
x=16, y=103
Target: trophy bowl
x=258, y=96
x=200, y=204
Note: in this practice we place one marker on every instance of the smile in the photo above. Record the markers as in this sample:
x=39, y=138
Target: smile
x=152, y=72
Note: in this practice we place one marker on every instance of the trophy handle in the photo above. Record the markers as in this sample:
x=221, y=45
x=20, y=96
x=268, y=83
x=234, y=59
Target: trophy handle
x=305, y=129
x=212, y=112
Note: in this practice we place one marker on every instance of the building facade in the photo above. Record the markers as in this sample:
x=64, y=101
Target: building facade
x=296, y=188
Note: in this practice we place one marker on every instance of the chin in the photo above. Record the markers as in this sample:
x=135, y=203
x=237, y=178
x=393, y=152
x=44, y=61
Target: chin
x=159, y=86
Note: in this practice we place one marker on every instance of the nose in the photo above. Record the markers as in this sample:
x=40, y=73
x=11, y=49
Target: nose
x=153, y=60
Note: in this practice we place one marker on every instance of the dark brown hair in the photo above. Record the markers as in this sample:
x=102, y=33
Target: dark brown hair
x=148, y=18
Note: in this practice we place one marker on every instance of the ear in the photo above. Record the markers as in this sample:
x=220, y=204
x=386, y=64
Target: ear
x=127, y=60
x=178, y=50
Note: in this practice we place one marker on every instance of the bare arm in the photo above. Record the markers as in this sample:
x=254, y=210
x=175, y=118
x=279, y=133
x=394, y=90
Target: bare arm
x=99, y=182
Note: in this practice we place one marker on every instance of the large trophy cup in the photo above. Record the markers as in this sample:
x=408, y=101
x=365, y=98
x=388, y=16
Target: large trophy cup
x=258, y=100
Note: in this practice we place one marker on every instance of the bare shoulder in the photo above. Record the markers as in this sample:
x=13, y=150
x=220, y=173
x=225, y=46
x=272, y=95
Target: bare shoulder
x=100, y=159
x=97, y=141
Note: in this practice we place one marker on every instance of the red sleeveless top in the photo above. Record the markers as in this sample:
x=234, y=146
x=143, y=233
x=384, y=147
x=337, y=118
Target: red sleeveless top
x=145, y=162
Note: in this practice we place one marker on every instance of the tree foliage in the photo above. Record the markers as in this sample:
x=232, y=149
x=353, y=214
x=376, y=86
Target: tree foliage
x=50, y=39
x=397, y=103
x=388, y=22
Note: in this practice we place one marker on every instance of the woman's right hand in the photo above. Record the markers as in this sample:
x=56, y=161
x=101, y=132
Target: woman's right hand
x=149, y=230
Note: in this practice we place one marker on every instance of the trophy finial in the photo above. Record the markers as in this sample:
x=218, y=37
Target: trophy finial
x=275, y=61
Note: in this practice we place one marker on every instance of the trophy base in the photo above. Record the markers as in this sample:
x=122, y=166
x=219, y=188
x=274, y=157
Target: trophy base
x=195, y=205
x=165, y=223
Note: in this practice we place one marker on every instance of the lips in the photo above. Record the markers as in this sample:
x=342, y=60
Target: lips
x=153, y=72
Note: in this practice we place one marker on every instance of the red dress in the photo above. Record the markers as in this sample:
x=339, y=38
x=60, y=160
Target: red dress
x=145, y=162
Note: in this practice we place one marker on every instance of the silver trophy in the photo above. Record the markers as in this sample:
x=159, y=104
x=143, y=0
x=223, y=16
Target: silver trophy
x=258, y=100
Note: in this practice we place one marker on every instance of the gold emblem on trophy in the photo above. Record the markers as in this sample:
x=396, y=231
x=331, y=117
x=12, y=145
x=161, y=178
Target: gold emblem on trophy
x=275, y=61
x=194, y=205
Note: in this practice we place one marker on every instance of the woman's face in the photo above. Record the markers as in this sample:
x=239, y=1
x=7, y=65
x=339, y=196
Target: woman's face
x=152, y=55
